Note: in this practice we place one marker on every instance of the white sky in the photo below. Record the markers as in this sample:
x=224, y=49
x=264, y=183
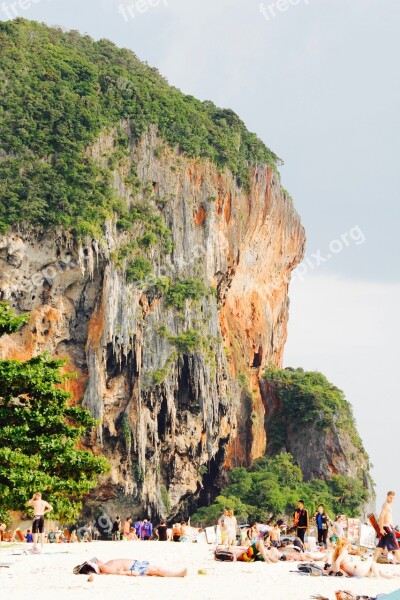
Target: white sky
x=319, y=83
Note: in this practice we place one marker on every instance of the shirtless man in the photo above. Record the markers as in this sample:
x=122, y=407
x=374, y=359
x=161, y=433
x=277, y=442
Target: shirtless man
x=275, y=536
x=40, y=508
x=126, y=566
x=388, y=539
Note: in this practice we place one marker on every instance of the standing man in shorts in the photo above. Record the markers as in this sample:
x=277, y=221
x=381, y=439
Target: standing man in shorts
x=388, y=539
x=40, y=508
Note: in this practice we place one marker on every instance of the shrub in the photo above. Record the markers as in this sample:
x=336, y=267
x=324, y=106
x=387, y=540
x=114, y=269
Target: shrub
x=179, y=292
x=138, y=269
x=189, y=341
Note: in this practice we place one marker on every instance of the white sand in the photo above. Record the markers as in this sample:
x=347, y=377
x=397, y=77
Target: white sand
x=49, y=576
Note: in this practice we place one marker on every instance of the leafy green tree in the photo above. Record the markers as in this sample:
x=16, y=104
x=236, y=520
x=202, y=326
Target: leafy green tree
x=272, y=487
x=39, y=433
x=348, y=494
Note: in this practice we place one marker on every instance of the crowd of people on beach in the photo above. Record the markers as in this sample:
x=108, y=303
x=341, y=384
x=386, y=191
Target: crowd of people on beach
x=144, y=530
x=280, y=541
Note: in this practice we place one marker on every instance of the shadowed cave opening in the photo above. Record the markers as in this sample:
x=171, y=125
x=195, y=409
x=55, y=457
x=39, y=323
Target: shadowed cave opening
x=115, y=367
x=212, y=480
x=257, y=360
x=162, y=419
x=185, y=393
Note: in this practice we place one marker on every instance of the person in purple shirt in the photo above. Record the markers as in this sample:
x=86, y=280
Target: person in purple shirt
x=147, y=530
x=138, y=525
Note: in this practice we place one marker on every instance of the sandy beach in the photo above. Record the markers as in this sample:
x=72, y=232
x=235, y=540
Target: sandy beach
x=50, y=576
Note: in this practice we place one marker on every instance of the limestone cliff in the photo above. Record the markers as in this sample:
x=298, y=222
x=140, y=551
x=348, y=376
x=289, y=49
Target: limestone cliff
x=149, y=238
x=170, y=420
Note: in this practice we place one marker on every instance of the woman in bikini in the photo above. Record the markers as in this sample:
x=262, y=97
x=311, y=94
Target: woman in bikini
x=343, y=562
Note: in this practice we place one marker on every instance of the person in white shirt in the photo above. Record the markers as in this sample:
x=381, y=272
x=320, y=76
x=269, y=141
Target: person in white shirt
x=230, y=524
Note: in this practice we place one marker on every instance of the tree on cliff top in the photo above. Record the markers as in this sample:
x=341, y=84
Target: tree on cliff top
x=39, y=432
x=59, y=91
x=307, y=398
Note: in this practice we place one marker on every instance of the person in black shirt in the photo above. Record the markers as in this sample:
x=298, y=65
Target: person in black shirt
x=162, y=532
x=300, y=520
x=116, y=529
x=322, y=521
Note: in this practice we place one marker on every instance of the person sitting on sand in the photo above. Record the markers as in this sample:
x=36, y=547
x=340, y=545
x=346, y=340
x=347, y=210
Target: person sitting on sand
x=29, y=537
x=126, y=566
x=74, y=538
x=253, y=534
x=343, y=562
x=275, y=535
x=255, y=552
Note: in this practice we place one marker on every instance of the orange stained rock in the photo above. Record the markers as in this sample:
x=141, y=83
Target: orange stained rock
x=200, y=216
x=95, y=327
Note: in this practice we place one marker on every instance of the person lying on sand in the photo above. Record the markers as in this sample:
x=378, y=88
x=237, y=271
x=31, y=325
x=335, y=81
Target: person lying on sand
x=342, y=561
x=296, y=552
x=346, y=595
x=255, y=552
x=126, y=566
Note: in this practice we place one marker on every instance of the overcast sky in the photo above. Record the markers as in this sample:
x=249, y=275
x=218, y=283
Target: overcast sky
x=318, y=81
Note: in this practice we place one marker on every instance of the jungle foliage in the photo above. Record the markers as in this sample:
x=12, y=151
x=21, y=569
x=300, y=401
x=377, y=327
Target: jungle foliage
x=58, y=91
x=39, y=436
x=272, y=487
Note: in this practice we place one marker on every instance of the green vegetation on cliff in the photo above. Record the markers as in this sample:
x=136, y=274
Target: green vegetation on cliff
x=307, y=398
x=58, y=91
x=39, y=433
x=9, y=321
x=272, y=487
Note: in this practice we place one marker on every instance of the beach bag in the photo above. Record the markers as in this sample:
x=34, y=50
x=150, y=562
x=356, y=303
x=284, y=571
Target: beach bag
x=223, y=555
x=310, y=568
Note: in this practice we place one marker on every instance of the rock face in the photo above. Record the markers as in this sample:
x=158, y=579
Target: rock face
x=170, y=419
x=320, y=453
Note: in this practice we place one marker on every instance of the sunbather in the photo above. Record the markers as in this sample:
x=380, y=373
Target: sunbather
x=255, y=552
x=126, y=566
x=343, y=562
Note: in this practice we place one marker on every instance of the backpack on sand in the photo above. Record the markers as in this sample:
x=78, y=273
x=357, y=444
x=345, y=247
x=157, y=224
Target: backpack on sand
x=310, y=568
